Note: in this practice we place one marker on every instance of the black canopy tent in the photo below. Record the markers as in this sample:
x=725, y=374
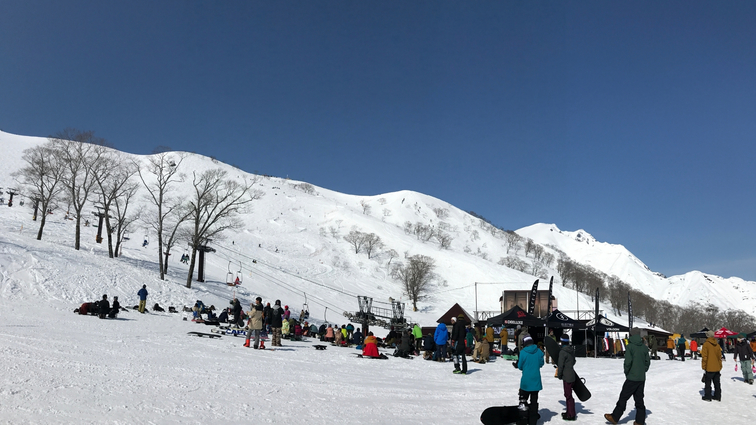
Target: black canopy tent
x=600, y=325
x=515, y=316
x=557, y=319
x=605, y=325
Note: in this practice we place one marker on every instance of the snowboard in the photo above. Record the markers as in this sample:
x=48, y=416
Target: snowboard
x=502, y=415
x=233, y=332
x=200, y=334
x=381, y=357
x=579, y=388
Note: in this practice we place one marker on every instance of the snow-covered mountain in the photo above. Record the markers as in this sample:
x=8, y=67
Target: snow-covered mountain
x=293, y=248
x=694, y=286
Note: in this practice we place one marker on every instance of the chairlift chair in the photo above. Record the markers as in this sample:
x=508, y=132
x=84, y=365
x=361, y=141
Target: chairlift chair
x=239, y=275
x=305, y=309
x=229, y=276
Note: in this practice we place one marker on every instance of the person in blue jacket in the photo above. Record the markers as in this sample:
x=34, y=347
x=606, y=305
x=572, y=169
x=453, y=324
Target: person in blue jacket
x=440, y=337
x=530, y=363
x=142, y=298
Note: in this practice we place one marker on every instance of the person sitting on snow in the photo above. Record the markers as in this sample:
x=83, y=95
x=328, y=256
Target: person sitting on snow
x=370, y=349
x=115, y=308
x=104, y=307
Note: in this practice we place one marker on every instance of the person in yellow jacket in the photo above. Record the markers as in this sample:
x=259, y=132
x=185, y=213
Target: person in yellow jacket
x=671, y=348
x=711, y=363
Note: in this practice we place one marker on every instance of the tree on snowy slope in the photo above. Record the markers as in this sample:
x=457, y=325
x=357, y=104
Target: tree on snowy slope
x=161, y=173
x=416, y=276
x=80, y=153
x=124, y=219
x=112, y=179
x=214, y=206
x=41, y=176
x=173, y=231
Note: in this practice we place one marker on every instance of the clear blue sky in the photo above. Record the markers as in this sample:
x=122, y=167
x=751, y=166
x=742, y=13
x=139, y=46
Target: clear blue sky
x=632, y=120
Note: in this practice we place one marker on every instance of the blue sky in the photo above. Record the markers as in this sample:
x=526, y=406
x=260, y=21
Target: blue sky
x=632, y=120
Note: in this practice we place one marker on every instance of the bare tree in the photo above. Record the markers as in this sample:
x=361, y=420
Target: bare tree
x=112, y=180
x=172, y=230
x=41, y=176
x=159, y=175
x=356, y=239
x=391, y=254
x=444, y=239
x=529, y=246
x=416, y=277
x=513, y=241
x=366, y=208
x=372, y=243
x=80, y=153
x=124, y=220
x=441, y=213
x=214, y=207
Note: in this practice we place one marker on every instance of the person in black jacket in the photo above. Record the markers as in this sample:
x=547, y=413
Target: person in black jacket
x=743, y=350
x=457, y=338
x=276, y=322
x=429, y=345
x=566, y=372
x=405, y=346
x=267, y=316
x=357, y=337
x=115, y=308
x=237, y=309
x=104, y=307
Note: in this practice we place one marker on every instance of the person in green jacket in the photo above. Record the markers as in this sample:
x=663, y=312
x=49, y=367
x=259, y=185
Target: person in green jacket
x=637, y=362
x=418, y=334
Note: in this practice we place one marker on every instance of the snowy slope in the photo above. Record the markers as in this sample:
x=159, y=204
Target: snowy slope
x=726, y=293
x=296, y=240
x=62, y=368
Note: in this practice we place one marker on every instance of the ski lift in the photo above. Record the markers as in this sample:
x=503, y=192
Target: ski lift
x=305, y=309
x=229, y=276
x=239, y=275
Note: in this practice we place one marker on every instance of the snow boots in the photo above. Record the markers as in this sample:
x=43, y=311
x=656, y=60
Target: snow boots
x=262, y=344
x=246, y=343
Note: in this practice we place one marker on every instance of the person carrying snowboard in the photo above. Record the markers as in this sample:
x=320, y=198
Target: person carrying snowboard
x=637, y=362
x=530, y=362
x=566, y=372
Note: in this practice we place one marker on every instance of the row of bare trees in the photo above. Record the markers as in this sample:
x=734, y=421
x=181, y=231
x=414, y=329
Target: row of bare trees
x=79, y=169
x=613, y=290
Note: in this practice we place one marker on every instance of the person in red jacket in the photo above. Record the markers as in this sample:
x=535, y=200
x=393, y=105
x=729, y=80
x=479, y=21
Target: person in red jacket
x=693, y=349
x=370, y=348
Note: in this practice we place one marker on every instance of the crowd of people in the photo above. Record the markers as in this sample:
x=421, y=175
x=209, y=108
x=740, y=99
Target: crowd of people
x=275, y=322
